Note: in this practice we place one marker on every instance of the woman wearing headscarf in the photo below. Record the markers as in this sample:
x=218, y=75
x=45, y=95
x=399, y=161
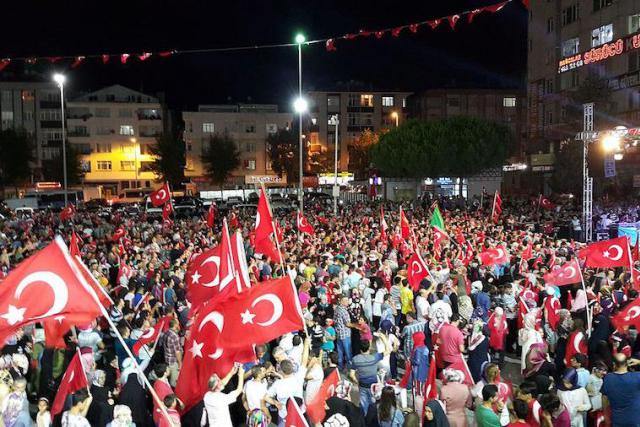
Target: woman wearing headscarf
x=565, y=324
x=601, y=327
x=134, y=395
x=478, y=350
x=434, y=415
x=99, y=413
x=121, y=417
x=465, y=307
x=355, y=311
x=15, y=412
x=528, y=335
x=574, y=398
x=456, y=397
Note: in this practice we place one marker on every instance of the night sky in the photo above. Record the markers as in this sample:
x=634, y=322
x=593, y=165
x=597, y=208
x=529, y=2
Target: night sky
x=491, y=52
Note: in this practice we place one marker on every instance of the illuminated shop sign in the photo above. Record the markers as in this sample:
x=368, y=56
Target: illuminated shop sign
x=600, y=53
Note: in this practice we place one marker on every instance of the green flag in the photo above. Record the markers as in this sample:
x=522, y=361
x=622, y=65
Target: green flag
x=437, y=220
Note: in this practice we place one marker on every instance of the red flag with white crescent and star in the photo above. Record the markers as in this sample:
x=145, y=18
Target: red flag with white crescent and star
x=295, y=418
x=118, y=234
x=203, y=358
x=316, y=408
x=497, y=207
x=67, y=213
x=567, y=274
x=545, y=203
x=161, y=196
x=264, y=231
x=259, y=314
x=74, y=250
x=576, y=343
x=527, y=254
x=303, y=225
x=151, y=334
x=54, y=331
x=167, y=210
x=211, y=214
x=417, y=271
x=493, y=256
x=607, y=253
x=239, y=257
x=210, y=273
x=405, y=229
x=73, y=380
x=44, y=286
x=629, y=316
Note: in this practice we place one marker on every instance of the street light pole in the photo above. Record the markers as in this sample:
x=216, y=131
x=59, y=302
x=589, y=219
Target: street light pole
x=59, y=78
x=335, y=121
x=301, y=108
x=135, y=156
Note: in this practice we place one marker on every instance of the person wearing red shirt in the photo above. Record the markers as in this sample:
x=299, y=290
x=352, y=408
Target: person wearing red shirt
x=521, y=410
x=162, y=388
x=451, y=341
x=528, y=393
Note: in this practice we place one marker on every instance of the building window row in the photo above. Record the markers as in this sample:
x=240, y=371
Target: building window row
x=602, y=35
x=509, y=101
x=599, y=4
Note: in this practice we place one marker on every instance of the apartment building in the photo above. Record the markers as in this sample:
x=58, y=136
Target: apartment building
x=248, y=125
x=356, y=112
x=114, y=128
x=504, y=106
x=34, y=107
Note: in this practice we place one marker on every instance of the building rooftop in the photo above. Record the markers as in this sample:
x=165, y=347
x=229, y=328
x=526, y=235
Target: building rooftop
x=238, y=108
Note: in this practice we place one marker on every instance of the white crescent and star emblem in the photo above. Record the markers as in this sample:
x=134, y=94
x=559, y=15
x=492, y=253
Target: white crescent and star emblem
x=247, y=316
x=500, y=253
x=216, y=279
x=632, y=314
x=218, y=321
x=416, y=268
x=572, y=271
x=619, y=252
x=148, y=334
x=60, y=296
x=161, y=194
x=576, y=342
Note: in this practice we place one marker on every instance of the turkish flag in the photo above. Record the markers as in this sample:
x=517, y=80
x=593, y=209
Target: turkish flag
x=430, y=386
x=567, y=274
x=118, y=234
x=545, y=203
x=211, y=214
x=73, y=380
x=279, y=231
x=461, y=365
x=45, y=286
x=234, y=222
x=240, y=261
x=315, y=409
x=124, y=271
x=417, y=271
x=322, y=220
x=167, y=210
x=303, y=225
x=636, y=278
x=73, y=245
x=102, y=294
x=576, y=343
x=264, y=243
x=527, y=254
x=494, y=256
x=259, y=314
x=405, y=229
x=210, y=273
x=628, y=316
x=54, y=332
x=383, y=226
x=67, y=213
x=608, y=253
x=151, y=334
x=437, y=235
x=636, y=250
x=202, y=358
x=294, y=415
x=161, y=196
x=497, y=207
x=551, y=307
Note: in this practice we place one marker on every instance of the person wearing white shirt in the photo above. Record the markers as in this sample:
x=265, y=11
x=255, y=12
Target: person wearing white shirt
x=255, y=391
x=422, y=305
x=216, y=403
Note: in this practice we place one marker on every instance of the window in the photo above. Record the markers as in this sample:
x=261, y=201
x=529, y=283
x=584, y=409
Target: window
x=103, y=148
x=50, y=115
x=27, y=116
x=250, y=128
x=27, y=95
x=602, y=35
x=387, y=101
x=250, y=147
x=549, y=88
x=570, y=14
x=634, y=63
x=85, y=166
x=634, y=23
x=404, y=102
x=509, y=101
x=569, y=80
x=272, y=128
x=104, y=131
x=366, y=100
x=103, y=112
x=333, y=103
x=7, y=116
x=84, y=148
x=126, y=130
x=125, y=112
x=250, y=164
x=599, y=4
x=549, y=117
x=146, y=167
x=570, y=47
x=145, y=149
x=550, y=25
x=208, y=128
x=79, y=131
x=103, y=165
x=127, y=165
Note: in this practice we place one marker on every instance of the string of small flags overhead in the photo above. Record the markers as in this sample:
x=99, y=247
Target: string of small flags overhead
x=74, y=61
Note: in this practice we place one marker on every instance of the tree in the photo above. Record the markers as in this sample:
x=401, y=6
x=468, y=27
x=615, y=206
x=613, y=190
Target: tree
x=567, y=168
x=53, y=170
x=455, y=147
x=169, y=159
x=321, y=162
x=283, y=148
x=15, y=157
x=359, y=159
x=220, y=158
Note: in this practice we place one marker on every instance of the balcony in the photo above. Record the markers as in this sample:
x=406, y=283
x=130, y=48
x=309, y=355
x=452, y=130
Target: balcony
x=51, y=124
x=150, y=133
x=50, y=105
x=78, y=133
x=359, y=109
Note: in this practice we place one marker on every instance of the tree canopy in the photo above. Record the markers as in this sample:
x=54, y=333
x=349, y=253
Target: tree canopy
x=15, y=156
x=220, y=158
x=169, y=159
x=53, y=170
x=359, y=158
x=283, y=149
x=460, y=146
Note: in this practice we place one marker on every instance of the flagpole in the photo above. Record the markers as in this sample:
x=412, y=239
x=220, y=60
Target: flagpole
x=157, y=338
x=589, y=311
x=275, y=235
x=89, y=290
x=493, y=206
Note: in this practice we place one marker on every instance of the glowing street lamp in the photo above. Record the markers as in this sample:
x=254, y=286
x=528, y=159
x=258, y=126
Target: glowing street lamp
x=611, y=143
x=60, y=80
x=300, y=106
x=394, y=115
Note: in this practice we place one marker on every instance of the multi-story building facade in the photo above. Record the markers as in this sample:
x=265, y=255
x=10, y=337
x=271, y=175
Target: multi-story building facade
x=248, y=125
x=34, y=107
x=571, y=41
x=499, y=105
x=113, y=129
x=356, y=112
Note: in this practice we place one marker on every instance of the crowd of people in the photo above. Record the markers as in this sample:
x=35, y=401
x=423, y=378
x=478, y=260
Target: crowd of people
x=473, y=344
